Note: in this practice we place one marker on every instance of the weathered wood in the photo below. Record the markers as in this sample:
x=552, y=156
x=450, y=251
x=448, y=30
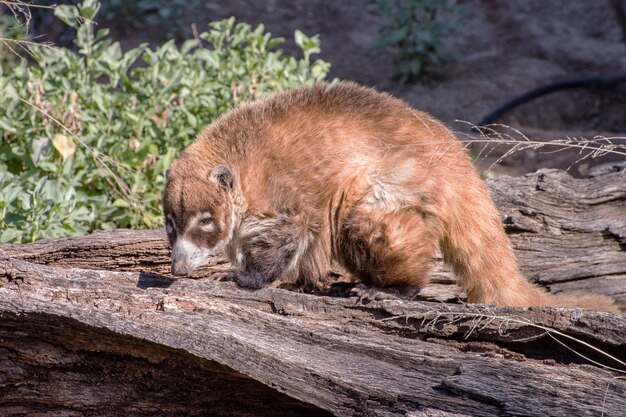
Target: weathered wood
x=89, y=327
x=569, y=233
x=84, y=340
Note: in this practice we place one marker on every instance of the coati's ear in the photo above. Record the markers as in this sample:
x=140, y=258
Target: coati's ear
x=167, y=174
x=222, y=176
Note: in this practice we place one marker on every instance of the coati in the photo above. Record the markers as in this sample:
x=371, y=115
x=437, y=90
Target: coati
x=286, y=184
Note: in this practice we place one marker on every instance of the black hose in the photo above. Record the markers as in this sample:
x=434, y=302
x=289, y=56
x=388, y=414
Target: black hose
x=589, y=82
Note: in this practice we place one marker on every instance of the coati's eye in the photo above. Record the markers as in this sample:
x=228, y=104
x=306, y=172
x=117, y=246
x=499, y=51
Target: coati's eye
x=206, y=219
x=206, y=222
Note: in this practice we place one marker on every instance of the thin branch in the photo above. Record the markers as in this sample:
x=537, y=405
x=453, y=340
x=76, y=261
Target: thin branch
x=29, y=5
x=588, y=148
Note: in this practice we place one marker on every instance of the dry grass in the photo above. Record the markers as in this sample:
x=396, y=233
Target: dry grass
x=22, y=13
x=21, y=10
x=496, y=137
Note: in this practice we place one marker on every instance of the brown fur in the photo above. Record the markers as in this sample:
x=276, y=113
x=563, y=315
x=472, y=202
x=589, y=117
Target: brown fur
x=339, y=171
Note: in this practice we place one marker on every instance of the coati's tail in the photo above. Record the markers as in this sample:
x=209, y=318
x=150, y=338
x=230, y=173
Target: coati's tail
x=475, y=244
x=588, y=301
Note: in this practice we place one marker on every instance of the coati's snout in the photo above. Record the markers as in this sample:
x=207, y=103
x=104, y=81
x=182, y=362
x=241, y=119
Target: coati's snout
x=189, y=252
x=186, y=257
x=198, y=216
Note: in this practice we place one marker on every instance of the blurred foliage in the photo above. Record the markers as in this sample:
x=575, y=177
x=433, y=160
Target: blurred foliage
x=87, y=133
x=166, y=14
x=12, y=33
x=417, y=30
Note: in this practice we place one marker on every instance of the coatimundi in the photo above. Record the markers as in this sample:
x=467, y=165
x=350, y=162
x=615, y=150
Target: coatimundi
x=323, y=172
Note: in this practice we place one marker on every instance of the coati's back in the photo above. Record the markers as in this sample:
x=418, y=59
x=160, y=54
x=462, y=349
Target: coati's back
x=324, y=137
x=342, y=171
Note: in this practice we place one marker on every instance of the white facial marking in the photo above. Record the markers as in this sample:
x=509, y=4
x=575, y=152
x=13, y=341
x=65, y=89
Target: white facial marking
x=194, y=255
x=204, y=221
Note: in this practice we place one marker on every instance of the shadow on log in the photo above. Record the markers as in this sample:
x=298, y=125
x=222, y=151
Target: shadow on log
x=94, y=326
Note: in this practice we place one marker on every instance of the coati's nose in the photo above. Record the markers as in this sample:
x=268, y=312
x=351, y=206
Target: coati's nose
x=179, y=268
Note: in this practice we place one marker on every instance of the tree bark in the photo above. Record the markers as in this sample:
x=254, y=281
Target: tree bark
x=95, y=326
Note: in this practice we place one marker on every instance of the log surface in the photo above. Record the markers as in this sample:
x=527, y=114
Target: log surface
x=94, y=326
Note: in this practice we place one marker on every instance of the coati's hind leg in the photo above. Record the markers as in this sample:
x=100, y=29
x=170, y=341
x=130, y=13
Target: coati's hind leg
x=393, y=249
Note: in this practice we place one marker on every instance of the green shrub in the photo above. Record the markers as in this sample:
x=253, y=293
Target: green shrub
x=12, y=35
x=417, y=29
x=86, y=136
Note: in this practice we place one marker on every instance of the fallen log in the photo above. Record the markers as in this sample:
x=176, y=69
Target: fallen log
x=95, y=326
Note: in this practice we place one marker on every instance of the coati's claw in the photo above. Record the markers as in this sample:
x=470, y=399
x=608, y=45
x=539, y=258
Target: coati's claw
x=367, y=294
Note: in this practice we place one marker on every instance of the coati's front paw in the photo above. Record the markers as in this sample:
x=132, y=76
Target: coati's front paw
x=253, y=279
x=368, y=294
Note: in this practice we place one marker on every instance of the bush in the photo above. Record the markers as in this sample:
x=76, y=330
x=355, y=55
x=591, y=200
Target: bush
x=417, y=29
x=86, y=136
x=12, y=37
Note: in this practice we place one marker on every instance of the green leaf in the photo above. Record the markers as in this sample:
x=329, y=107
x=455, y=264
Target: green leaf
x=89, y=9
x=120, y=202
x=39, y=148
x=300, y=38
x=188, y=45
x=14, y=219
x=10, y=236
x=6, y=125
x=68, y=14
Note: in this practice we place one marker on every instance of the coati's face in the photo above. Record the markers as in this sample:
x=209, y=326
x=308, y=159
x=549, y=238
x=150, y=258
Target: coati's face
x=198, y=216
